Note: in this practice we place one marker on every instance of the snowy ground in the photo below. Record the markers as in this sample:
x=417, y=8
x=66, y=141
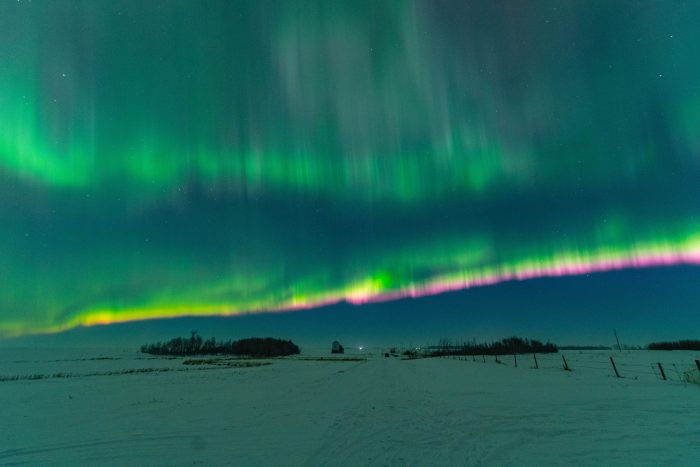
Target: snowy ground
x=381, y=411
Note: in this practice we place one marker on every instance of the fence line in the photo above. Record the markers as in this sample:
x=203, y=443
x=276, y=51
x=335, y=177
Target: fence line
x=614, y=365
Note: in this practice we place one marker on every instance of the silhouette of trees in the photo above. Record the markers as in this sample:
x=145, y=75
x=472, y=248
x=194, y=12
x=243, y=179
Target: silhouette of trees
x=507, y=346
x=195, y=345
x=677, y=345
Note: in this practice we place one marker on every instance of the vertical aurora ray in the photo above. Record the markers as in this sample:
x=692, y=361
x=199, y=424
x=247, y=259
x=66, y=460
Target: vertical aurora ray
x=167, y=159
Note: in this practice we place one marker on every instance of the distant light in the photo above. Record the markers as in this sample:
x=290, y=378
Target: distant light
x=360, y=348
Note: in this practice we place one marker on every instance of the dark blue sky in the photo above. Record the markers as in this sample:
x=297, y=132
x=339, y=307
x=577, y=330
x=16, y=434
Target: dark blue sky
x=162, y=159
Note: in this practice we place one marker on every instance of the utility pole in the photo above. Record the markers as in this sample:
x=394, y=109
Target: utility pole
x=618, y=341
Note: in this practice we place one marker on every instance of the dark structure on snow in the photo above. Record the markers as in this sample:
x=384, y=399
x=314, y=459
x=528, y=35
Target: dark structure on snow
x=337, y=348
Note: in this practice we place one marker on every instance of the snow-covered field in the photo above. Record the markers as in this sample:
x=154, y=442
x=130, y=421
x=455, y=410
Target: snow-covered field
x=96, y=410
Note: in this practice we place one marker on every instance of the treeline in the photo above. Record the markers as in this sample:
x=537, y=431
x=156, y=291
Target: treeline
x=195, y=345
x=507, y=346
x=677, y=345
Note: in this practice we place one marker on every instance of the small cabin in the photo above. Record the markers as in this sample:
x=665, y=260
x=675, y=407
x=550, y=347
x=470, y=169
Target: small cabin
x=337, y=348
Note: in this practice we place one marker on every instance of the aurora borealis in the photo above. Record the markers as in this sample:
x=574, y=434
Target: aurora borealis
x=172, y=158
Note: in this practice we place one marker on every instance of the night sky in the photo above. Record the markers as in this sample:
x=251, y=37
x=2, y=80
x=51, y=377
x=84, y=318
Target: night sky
x=178, y=158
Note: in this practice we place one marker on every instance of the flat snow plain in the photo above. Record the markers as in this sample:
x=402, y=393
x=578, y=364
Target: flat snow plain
x=96, y=410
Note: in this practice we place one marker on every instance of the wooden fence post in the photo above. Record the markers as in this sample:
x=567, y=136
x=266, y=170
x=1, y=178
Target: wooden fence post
x=663, y=375
x=566, y=365
x=614, y=367
x=697, y=363
x=515, y=361
x=536, y=365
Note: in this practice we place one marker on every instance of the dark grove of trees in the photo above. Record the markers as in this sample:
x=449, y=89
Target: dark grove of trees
x=195, y=345
x=506, y=346
x=677, y=345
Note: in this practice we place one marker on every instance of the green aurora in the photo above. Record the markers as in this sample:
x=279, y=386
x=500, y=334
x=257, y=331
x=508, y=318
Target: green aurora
x=171, y=158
